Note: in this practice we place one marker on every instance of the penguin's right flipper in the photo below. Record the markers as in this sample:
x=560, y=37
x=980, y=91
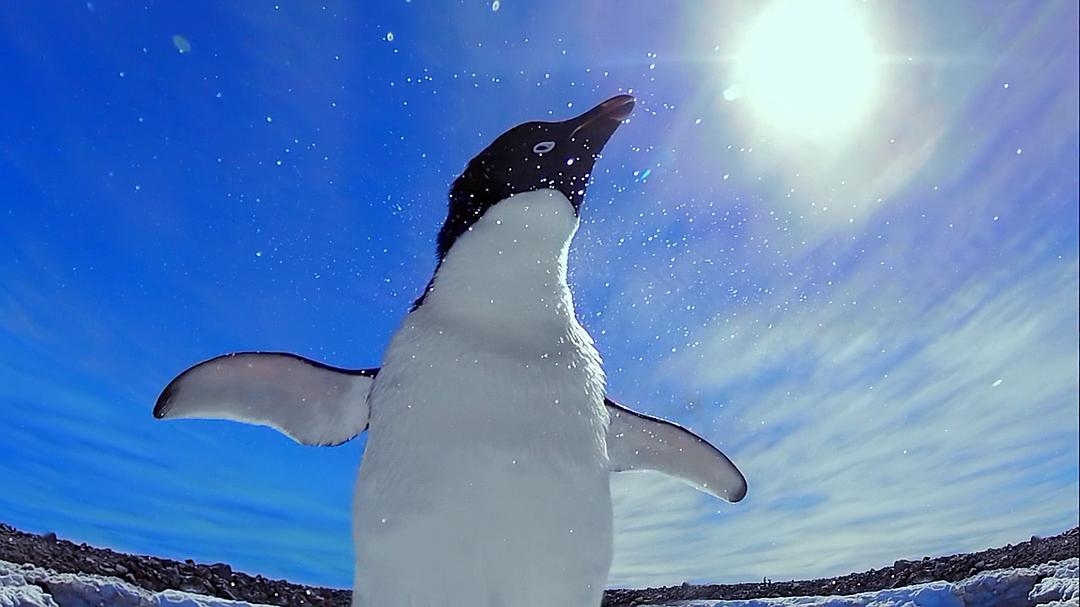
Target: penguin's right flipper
x=636, y=441
x=311, y=403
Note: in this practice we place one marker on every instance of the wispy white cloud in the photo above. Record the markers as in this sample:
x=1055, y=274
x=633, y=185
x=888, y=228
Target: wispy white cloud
x=895, y=424
x=96, y=467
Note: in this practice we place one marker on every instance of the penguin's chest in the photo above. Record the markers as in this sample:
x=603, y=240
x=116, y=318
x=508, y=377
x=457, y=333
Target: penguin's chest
x=485, y=472
x=491, y=387
x=460, y=418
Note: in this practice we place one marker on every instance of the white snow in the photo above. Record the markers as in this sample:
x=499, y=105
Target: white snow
x=1013, y=587
x=24, y=586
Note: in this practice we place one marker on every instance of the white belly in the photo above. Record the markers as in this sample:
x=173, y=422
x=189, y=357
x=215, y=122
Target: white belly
x=485, y=478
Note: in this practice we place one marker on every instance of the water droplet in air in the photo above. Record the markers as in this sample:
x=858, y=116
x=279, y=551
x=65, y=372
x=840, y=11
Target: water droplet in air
x=181, y=43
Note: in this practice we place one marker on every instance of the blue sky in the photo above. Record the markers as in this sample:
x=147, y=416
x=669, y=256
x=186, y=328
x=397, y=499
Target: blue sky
x=880, y=328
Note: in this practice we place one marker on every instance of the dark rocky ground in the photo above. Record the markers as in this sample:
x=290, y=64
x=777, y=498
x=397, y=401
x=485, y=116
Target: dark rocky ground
x=220, y=580
x=901, y=573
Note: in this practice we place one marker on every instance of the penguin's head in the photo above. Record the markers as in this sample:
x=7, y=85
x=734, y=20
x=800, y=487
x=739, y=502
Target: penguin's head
x=532, y=156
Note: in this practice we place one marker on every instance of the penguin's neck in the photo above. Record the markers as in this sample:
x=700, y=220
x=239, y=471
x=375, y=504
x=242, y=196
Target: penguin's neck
x=509, y=269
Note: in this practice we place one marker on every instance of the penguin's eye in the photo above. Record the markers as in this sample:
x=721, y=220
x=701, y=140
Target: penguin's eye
x=543, y=147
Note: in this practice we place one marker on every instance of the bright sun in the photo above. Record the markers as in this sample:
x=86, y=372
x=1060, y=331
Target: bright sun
x=807, y=67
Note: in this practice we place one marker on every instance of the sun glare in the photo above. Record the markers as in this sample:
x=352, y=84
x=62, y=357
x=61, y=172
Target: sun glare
x=807, y=67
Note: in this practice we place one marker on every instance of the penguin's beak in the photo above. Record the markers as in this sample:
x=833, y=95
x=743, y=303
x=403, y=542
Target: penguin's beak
x=598, y=124
x=587, y=136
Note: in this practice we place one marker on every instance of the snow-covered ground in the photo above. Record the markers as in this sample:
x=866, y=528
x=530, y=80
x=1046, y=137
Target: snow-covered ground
x=30, y=586
x=25, y=586
x=1000, y=588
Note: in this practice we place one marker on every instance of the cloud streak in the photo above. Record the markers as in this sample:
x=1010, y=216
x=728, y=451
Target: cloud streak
x=858, y=455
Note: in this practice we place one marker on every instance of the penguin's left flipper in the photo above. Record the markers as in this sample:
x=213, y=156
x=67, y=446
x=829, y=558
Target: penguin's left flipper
x=308, y=401
x=640, y=442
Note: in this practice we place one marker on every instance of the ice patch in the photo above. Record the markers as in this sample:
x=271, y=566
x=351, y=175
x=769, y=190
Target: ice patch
x=30, y=586
x=1061, y=587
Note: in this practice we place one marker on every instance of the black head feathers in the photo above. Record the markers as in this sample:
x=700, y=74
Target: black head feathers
x=532, y=156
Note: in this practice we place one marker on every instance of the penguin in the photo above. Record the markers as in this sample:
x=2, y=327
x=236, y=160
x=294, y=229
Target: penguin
x=485, y=480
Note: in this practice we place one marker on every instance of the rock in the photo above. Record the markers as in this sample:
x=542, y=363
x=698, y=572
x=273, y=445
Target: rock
x=224, y=592
x=195, y=584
